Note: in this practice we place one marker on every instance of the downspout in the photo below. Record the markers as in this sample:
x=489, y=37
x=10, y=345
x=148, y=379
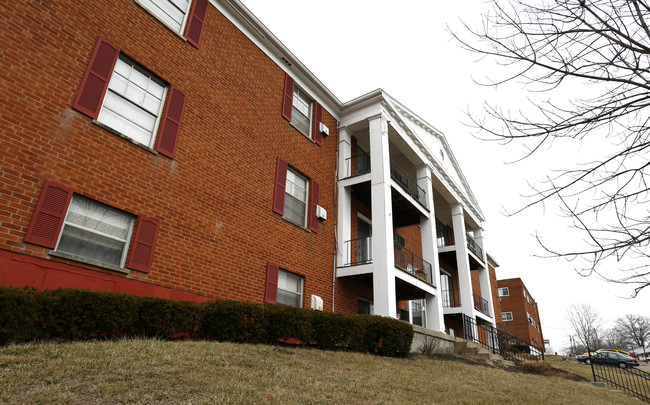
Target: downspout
x=336, y=212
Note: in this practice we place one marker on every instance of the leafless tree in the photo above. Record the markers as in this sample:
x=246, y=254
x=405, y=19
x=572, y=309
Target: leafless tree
x=602, y=46
x=615, y=338
x=636, y=328
x=586, y=323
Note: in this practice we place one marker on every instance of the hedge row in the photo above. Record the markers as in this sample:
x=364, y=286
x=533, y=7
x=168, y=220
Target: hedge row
x=73, y=314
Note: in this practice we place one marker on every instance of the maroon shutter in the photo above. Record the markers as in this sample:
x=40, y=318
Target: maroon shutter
x=280, y=186
x=49, y=215
x=143, y=243
x=95, y=82
x=317, y=119
x=271, y=291
x=314, y=200
x=195, y=22
x=170, y=122
x=287, y=101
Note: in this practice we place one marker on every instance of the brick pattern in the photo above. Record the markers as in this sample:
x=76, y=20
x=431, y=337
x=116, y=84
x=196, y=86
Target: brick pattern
x=518, y=305
x=214, y=200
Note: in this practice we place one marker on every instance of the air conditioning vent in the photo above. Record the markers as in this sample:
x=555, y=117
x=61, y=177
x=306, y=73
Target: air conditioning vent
x=316, y=303
x=323, y=129
x=321, y=213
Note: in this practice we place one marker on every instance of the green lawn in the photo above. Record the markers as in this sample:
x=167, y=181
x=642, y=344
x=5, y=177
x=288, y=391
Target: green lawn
x=150, y=371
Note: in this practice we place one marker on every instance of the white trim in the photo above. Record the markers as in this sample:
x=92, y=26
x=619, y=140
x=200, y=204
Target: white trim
x=507, y=320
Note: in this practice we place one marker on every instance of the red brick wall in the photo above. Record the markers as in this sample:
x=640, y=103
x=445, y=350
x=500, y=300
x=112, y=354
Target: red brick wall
x=518, y=305
x=214, y=200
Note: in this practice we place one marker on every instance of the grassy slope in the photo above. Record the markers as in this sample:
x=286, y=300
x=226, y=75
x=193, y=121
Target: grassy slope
x=199, y=372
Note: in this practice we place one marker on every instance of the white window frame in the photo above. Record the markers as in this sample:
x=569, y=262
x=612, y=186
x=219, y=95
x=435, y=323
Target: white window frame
x=301, y=96
x=68, y=223
x=288, y=194
x=118, y=114
x=504, y=292
x=158, y=8
x=504, y=317
x=299, y=294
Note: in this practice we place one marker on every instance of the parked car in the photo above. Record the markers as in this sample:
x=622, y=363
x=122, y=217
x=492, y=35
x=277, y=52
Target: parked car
x=610, y=358
x=618, y=351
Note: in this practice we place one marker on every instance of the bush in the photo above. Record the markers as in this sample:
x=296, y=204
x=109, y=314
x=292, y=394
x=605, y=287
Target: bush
x=233, y=321
x=75, y=314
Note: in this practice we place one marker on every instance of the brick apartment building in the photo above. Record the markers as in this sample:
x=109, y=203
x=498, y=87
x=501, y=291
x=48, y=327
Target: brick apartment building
x=178, y=149
x=519, y=313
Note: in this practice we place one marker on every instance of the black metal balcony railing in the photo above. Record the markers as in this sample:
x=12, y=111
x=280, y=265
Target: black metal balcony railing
x=359, y=251
x=474, y=247
x=410, y=185
x=444, y=234
x=412, y=263
x=451, y=298
x=357, y=165
x=481, y=304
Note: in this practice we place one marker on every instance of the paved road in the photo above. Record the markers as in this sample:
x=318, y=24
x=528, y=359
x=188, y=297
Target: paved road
x=645, y=367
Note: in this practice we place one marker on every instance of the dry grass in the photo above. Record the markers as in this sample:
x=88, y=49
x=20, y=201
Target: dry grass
x=146, y=371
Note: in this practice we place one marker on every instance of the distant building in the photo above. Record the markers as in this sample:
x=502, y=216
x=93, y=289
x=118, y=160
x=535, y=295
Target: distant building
x=519, y=313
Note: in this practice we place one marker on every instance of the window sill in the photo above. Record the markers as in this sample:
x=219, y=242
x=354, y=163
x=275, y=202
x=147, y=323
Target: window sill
x=303, y=134
x=296, y=225
x=85, y=260
x=126, y=138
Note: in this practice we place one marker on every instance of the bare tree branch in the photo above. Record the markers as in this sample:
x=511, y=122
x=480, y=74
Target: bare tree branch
x=604, y=47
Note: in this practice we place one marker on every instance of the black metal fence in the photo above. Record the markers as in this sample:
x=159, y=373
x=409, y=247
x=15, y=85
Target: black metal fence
x=410, y=185
x=481, y=304
x=474, y=247
x=451, y=298
x=357, y=165
x=358, y=251
x=632, y=381
x=412, y=263
x=500, y=342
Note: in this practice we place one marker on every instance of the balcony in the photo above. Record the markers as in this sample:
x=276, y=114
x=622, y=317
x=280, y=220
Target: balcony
x=411, y=186
x=451, y=298
x=413, y=264
x=474, y=247
x=359, y=251
x=357, y=165
x=444, y=234
x=481, y=304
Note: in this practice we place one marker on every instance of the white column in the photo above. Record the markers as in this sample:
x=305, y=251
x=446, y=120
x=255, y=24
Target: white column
x=462, y=260
x=484, y=273
x=435, y=315
x=345, y=152
x=344, y=208
x=383, y=262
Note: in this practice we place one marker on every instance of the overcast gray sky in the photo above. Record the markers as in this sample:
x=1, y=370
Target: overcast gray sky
x=404, y=48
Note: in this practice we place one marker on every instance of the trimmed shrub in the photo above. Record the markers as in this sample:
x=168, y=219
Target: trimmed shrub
x=19, y=314
x=233, y=321
x=338, y=331
x=387, y=337
x=288, y=325
x=75, y=314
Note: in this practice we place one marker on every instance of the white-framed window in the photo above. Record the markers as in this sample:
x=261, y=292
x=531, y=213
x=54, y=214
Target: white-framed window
x=290, y=289
x=96, y=232
x=295, y=200
x=133, y=102
x=506, y=316
x=504, y=292
x=172, y=13
x=301, y=114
